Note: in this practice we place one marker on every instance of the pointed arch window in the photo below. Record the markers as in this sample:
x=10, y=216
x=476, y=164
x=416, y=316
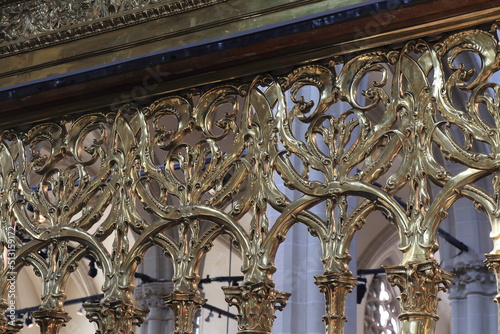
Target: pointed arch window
x=382, y=308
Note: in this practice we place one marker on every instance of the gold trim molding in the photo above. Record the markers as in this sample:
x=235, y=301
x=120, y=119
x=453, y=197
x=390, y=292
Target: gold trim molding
x=30, y=25
x=40, y=46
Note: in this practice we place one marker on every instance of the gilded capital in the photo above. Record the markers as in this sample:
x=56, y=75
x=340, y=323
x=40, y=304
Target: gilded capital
x=115, y=317
x=185, y=307
x=493, y=263
x=256, y=305
x=51, y=321
x=419, y=284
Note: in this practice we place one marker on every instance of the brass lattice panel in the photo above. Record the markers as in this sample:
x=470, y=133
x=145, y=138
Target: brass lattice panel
x=199, y=161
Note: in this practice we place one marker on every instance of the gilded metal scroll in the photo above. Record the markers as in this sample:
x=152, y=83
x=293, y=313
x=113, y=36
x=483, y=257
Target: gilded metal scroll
x=201, y=160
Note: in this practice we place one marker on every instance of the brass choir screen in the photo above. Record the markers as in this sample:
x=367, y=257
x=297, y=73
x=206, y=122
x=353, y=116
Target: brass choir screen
x=199, y=160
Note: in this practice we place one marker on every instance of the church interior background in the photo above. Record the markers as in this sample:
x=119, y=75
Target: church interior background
x=231, y=166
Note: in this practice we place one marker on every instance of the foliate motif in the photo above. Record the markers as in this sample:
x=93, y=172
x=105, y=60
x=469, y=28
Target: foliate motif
x=185, y=306
x=256, y=305
x=114, y=317
x=419, y=284
x=381, y=128
x=50, y=321
x=148, y=295
x=21, y=22
x=493, y=263
x=470, y=277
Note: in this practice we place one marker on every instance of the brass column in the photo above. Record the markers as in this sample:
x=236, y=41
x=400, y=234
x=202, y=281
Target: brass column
x=335, y=287
x=185, y=306
x=493, y=263
x=51, y=321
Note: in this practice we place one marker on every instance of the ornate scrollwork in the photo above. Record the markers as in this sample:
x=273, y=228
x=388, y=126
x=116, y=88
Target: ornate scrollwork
x=184, y=170
x=493, y=263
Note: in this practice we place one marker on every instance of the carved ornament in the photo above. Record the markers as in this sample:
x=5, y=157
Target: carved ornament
x=32, y=24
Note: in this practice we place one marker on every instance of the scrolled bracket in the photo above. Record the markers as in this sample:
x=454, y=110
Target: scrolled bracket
x=256, y=305
x=335, y=287
x=419, y=284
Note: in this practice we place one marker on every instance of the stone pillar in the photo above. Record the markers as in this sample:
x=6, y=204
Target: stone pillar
x=419, y=284
x=51, y=321
x=470, y=293
x=458, y=318
x=160, y=318
x=335, y=288
x=256, y=305
x=185, y=307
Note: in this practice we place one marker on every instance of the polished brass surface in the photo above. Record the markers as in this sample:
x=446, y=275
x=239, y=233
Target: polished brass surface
x=408, y=23
x=493, y=263
x=112, y=317
x=343, y=137
x=60, y=21
x=185, y=306
x=335, y=287
x=50, y=321
x=419, y=284
x=256, y=305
